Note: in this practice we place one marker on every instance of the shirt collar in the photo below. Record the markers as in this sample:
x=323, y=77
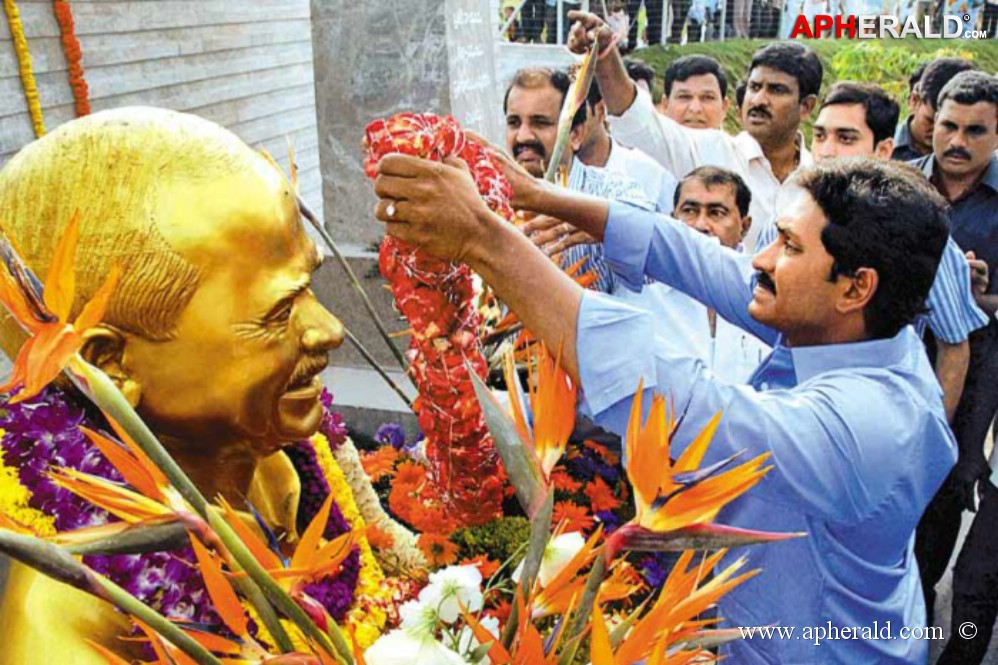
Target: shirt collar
x=809, y=361
x=751, y=149
x=990, y=178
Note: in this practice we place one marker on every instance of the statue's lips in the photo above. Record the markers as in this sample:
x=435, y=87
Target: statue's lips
x=310, y=391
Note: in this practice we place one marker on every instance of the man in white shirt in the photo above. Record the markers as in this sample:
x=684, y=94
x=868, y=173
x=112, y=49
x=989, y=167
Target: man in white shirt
x=594, y=146
x=783, y=83
x=715, y=202
x=696, y=92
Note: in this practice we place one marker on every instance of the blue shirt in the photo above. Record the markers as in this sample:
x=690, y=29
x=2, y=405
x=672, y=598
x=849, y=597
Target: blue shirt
x=952, y=311
x=857, y=432
x=605, y=184
x=904, y=151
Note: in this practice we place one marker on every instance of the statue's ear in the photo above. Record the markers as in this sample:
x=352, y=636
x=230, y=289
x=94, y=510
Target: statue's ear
x=104, y=348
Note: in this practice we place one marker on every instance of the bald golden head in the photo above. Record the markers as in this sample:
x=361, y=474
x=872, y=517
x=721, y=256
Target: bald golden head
x=123, y=171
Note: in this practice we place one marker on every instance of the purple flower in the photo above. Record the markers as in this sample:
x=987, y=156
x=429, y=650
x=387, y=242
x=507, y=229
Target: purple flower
x=391, y=434
x=43, y=432
x=332, y=425
x=609, y=520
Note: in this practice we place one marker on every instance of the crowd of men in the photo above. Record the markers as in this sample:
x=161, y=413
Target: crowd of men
x=834, y=302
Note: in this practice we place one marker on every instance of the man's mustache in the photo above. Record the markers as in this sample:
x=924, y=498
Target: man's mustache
x=761, y=111
x=957, y=152
x=535, y=146
x=765, y=281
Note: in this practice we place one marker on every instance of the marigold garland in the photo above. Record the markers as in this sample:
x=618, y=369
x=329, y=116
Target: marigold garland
x=24, y=64
x=71, y=47
x=372, y=598
x=436, y=297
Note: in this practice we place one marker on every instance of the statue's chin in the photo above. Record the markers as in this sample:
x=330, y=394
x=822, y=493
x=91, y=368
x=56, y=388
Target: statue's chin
x=299, y=412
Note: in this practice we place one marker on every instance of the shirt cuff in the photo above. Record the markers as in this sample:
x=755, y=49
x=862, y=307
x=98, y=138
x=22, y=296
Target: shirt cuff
x=615, y=350
x=626, y=241
x=631, y=126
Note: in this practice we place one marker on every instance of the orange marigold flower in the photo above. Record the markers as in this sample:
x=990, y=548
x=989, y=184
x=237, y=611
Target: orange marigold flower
x=410, y=473
x=380, y=463
x=565, y=482
x=610, y=458
x=601, y=496
x=486, y=566
x=576, y=517
x=438, y=550
x=378, y=538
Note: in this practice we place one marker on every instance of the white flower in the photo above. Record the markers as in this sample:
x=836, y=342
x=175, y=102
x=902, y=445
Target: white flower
x=418, y=618
x=467, y=642
x=403, y=647
x=450, y=588
x=557, y=554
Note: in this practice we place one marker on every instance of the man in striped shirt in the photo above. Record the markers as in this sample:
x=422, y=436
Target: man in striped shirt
x=532, y=107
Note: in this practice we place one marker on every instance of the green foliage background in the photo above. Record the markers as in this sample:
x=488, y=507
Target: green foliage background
x=885, y=62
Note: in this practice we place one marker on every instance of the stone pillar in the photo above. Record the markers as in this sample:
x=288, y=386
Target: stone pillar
x=376, y=58
x=373, y=59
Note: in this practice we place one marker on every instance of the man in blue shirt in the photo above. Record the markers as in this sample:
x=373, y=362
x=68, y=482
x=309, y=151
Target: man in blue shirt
x=964, y=169
x=847, y=403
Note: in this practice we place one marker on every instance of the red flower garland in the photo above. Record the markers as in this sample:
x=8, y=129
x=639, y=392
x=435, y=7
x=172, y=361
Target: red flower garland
x=436, y=298
x=71, y=47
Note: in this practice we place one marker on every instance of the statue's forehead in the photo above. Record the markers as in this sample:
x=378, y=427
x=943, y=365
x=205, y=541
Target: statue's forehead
x=249, y=213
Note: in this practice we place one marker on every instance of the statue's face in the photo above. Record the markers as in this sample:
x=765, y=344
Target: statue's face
x=248, y=349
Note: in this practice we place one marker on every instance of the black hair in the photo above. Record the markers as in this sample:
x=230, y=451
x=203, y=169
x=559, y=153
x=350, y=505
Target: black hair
x=595, y=95
x=532, y=77
x=712, y=176
x=937, y=74
x=694, y=65
x=794, y=59
x=639, y=71
x=971, y=87
x=885, y=216
x=881, y=110
x=740, y=94
x=916, y=75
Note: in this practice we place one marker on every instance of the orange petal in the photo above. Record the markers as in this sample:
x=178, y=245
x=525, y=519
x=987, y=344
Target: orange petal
x=310, y=540
x=497, y=652
x=49, y=353
x=600, y=649
x=150, y=467
x=129, y=467
x=263, y=554
x=95, y=308
x=122, y=502
x=109, y=656
x=223, y=597
x=213, y=642
x=693, y=455
x=60, y=284
x=12, y=297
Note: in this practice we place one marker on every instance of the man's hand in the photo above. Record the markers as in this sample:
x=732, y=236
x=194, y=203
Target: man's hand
x=433, y=206
x=978, y=275
x=969, y=477
x=554, y=236
x=587, y=28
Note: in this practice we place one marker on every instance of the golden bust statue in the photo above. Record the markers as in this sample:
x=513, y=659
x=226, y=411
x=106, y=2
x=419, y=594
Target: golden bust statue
x=213, y=333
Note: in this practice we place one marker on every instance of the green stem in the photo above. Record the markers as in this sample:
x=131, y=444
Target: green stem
x=164, y=627
x=317, y=225
x=585, y=609
x=540, y=534
x=60, y=565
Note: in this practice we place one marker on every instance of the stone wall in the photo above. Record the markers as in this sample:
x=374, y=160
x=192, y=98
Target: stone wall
x=245, y=65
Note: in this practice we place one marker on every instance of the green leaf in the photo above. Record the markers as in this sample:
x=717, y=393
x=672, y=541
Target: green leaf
x=518, y=456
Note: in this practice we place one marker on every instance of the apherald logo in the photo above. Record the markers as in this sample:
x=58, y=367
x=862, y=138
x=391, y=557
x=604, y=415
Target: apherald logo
x=879, y=27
